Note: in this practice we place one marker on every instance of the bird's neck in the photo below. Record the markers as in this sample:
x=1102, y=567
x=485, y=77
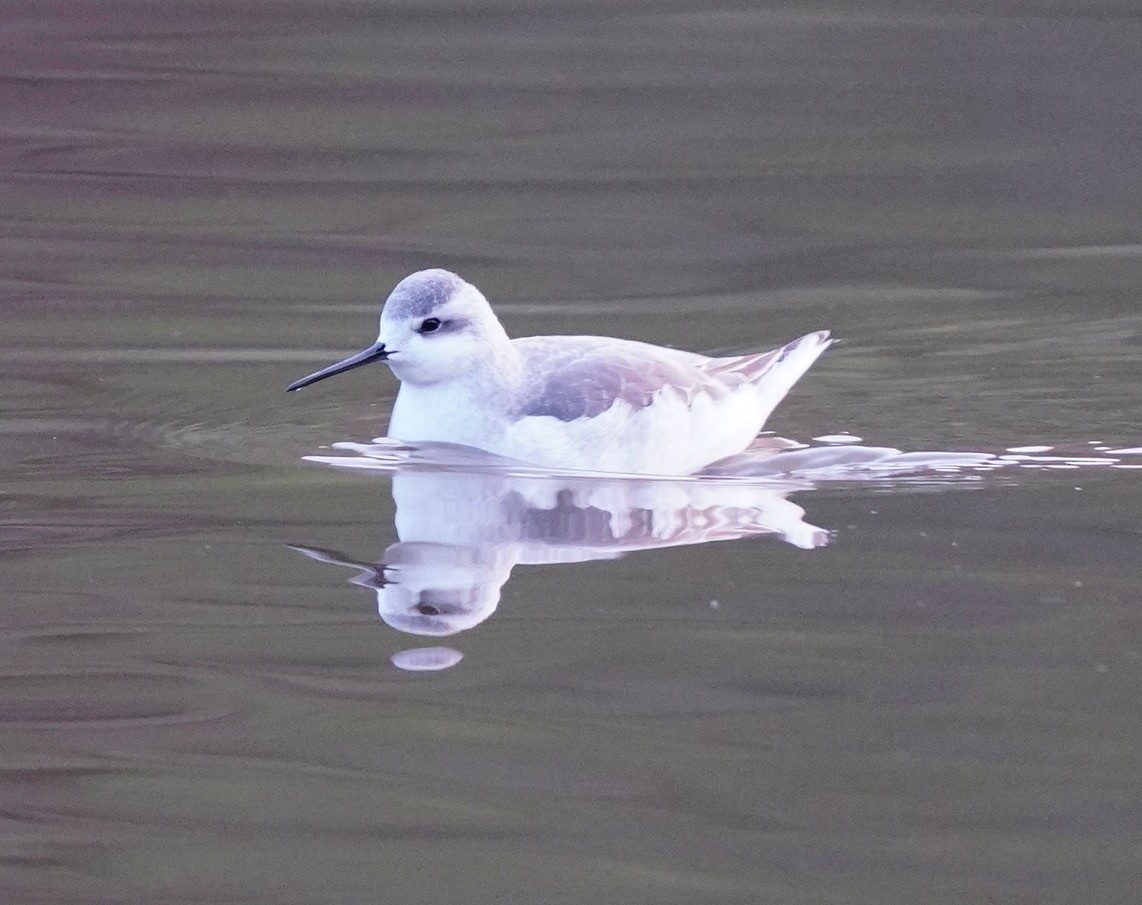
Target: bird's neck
x=499, y=373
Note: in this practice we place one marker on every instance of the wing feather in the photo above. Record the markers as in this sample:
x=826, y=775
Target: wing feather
x=581, y=377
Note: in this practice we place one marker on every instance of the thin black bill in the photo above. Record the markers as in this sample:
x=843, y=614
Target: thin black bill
x=373, y=353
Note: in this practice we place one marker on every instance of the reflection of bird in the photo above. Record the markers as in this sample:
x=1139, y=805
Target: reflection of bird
x=585, y=402
x=464, y=526
x=462, y=533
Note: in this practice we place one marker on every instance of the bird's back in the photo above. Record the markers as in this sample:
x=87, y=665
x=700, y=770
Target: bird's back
x=619, y=405
x=572, y=377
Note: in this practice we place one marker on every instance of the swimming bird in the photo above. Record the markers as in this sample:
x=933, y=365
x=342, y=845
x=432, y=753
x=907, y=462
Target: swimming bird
x=592, y=403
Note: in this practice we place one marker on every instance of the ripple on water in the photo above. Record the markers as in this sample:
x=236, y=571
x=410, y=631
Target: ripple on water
x=39, y=521
x=770, y=458
x=100, y=699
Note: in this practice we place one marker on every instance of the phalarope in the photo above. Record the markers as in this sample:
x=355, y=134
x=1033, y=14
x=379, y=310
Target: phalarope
x=582, y=402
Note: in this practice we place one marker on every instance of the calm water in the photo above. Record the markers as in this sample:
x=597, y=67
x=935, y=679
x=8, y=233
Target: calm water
x=198, y=703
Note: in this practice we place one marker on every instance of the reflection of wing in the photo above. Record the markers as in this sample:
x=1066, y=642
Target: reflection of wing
x=585, y=376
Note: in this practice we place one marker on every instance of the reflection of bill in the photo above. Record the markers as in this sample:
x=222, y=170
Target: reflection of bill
x=463, y=529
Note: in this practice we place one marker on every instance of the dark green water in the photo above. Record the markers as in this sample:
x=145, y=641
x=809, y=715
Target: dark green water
x=200, y=202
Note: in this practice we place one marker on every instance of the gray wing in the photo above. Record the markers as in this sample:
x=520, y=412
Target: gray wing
x=580, y=377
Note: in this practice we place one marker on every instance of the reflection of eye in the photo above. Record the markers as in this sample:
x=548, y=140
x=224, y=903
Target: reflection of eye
x=429, y=324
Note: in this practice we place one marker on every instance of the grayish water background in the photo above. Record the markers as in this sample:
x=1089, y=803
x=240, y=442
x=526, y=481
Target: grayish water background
x=200, y=202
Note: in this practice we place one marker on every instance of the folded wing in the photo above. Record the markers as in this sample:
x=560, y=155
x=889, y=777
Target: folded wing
x=581, y=377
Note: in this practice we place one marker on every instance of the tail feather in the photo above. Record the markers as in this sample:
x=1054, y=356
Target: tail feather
x=772, y=373
x=754, y=367
x=793, y=360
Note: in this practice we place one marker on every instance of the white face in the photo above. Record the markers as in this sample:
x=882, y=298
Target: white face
x=437, y=343
x=434, y=328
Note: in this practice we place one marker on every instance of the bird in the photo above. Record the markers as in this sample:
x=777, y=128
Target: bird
x=583, y=403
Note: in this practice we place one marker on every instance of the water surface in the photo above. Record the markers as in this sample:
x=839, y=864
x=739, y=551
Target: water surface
x=202, y=203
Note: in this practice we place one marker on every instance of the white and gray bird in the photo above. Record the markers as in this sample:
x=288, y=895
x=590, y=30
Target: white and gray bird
x=571, y=402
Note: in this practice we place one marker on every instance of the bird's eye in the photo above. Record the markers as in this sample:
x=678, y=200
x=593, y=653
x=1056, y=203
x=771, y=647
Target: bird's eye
x=429, y=324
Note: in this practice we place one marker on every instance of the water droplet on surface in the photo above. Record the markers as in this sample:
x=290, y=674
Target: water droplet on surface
x=838, y=438
x=426, y=659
